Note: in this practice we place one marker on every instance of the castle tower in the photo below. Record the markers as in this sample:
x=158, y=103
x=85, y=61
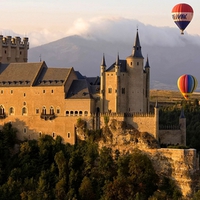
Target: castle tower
x=182, y=124
x=117, y=84
x=156, y=113
x=147, y=86
x=135, y=86
x=102, y=84
x=13, y=50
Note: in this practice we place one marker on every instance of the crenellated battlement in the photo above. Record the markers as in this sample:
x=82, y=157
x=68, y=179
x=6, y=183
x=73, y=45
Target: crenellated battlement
x=135, y=114
x=13, y=49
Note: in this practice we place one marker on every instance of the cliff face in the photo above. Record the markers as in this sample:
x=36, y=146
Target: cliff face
x=180, y=165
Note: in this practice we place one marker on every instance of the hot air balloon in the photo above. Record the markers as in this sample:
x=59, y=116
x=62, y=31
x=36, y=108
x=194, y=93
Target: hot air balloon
x=187, y=84
x=182, y=15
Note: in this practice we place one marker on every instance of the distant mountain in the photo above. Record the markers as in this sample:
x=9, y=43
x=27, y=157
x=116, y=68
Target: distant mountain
x=167, y=63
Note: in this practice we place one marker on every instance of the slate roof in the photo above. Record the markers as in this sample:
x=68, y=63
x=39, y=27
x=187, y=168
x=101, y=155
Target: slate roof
x=53, y=76
x=79, y=89
x=19, y=74
x=122, y=64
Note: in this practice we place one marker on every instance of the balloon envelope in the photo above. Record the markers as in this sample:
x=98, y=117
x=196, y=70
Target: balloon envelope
x=187, y=84
x=182, y=14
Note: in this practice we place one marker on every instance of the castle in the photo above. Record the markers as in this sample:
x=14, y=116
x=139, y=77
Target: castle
x=40, y=100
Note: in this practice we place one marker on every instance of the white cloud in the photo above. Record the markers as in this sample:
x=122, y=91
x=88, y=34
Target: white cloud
x=112, y=30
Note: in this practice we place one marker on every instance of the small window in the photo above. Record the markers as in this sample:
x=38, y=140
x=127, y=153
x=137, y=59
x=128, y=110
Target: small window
x=24, y=94
x=123, y=90
x=131, y=63
x=24, y=103
x=71, y=113
x=68, y=135
x=5, y=51
x=52, y=91
x=40, y=134
x=20, y=53
x=24, y=111
x=109, y=90
x=76, y=113
x=11, y=91
x=67, y=113
x=1, y=91
x=53, y=134
x=86, y=113
x=138, y=63
x=1, y=110
x=80, y=113
x=11, y=111
x=37, y=111
x=58, y=111
x=51, y=110
x=44, y=111
x=44, y=91
x=25, y=130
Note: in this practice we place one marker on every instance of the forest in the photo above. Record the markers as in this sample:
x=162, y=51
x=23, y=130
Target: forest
x=49, y=169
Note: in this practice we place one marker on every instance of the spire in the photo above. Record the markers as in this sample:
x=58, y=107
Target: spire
x=147, y=63
x=103, y=63
x=117, y=60
x=137, y=53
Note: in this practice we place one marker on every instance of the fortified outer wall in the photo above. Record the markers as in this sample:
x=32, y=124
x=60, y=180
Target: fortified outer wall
x=174, y=137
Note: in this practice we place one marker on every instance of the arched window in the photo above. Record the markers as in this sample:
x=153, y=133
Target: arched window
x=71, y=113
x=68, y=135
x=24, y=111
x=76, y=113
x=80, y=113
x=86, y=113
x=1, y=110
x=67, y=113
x=44, y=110
x=11, y=111
x=51, y=110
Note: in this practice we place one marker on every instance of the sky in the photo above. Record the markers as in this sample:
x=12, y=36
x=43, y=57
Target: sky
x=44, y=21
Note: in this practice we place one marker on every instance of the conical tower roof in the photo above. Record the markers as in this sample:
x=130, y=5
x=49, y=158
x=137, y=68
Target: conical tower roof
x=137, y=52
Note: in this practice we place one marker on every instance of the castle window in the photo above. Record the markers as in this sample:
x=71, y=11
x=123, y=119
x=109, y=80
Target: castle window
x=138, y=63
x=43, y=91
x=53, y=134
x=71, y=113
x=109, y=90
x=131, y=63
x=52, y=91
x=24, y=130
x=11, y=91
x=5, y=51
x=68, y=135
x=37, y=111
x=44, y=111
x=1, y=91
x=24, y=94
x=20, y=53
x=80, y=113
x=58, y=110
x=1, y=110
x=51, y=110
x=24, y=103
x=67, y=113
x=40, y=134
x=24, y=111
x=76, y=113
x=123, y=90
x=86, y=113
x=11, y=111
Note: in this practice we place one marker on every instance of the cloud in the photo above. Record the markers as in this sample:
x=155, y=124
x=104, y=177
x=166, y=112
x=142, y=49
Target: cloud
x=113, y=30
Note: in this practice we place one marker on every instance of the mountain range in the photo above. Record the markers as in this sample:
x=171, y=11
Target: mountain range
x=84, y=53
